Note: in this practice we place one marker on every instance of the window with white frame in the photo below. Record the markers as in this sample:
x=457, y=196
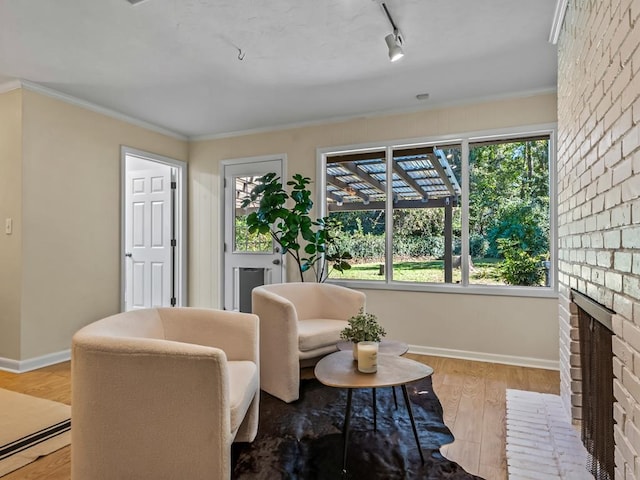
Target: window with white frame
x=407, y=217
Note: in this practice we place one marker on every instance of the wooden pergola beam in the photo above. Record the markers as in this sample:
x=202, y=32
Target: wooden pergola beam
x=402, y=173
x=443, y=175
x=336, y=182
x=334, y=197
x=353, y=168
x=402, y=204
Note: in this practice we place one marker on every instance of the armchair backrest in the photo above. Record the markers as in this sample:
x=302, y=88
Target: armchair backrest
x=319, y=300
x=133, y=324
x=234, y=332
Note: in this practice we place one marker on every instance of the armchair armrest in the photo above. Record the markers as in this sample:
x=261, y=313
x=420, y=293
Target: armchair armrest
x=278, y=320
x=279, y=365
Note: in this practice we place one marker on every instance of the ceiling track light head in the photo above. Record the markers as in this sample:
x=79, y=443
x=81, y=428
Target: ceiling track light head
x=394, y=40
x=395, y=50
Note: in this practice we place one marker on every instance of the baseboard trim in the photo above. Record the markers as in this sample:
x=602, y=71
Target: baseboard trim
x=22, y=366
x=486, y=357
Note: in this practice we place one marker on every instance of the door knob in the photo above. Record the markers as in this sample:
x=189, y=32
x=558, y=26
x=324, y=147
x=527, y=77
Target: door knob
x=276, y=262
x=128, y=254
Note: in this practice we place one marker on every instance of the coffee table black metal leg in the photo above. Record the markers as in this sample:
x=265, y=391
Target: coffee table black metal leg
x=395, y=399
x=375, y=412
x=413, y=422
x=345, y=431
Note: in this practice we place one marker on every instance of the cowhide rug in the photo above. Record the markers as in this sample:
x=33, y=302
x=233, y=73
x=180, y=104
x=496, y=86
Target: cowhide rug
x=303, y=440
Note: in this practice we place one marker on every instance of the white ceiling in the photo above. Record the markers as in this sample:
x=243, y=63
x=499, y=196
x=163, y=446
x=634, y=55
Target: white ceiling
x=174, y=63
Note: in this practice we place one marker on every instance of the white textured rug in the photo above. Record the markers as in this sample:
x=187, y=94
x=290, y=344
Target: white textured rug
x=30, y=427
x=542, y=444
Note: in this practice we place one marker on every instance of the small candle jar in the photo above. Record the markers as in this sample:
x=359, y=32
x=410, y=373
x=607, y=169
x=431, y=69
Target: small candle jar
x=368, y=357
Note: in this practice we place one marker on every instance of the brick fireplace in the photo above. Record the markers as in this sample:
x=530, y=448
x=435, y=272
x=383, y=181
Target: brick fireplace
x=599, y=202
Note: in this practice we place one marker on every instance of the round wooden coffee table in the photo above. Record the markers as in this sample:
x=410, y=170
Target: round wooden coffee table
x=340, y=370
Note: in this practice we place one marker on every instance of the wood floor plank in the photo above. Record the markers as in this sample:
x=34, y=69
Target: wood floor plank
x=492, y=445
x=493, y=473
x=449, y=396
x=468, y=423
x=466, y=454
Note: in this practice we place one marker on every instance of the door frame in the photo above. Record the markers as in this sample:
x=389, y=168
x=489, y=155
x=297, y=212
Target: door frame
x=180, y=220
x=282, y=157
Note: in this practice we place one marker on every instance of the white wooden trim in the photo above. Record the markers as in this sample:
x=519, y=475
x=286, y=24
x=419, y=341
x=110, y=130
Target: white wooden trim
x=383, y=113
x=486, y=357
x=9, y=86
x=34, y=87
x=21, y=366
x=558, y=20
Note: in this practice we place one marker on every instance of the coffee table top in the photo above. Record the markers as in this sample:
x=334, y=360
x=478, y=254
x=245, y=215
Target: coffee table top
x=389, y=347
x=340, y=370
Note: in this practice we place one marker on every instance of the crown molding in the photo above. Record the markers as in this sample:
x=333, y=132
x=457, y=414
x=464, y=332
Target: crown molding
x=9, y=86
x=34, y=87
x=400, y=111
x=15, y=84
x=558, y=20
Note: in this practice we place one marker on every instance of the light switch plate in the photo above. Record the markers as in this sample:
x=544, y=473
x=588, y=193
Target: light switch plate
x=8, y=226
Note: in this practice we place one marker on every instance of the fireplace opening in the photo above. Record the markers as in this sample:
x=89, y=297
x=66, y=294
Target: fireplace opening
x=596, y=365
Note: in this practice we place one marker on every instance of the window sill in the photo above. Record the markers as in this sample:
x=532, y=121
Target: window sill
x=536, y=292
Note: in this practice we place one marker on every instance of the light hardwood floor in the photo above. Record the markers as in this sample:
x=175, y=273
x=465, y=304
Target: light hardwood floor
x=472, y=396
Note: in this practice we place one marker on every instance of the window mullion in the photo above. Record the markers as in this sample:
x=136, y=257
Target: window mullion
x=388, y=215
x=464, y=247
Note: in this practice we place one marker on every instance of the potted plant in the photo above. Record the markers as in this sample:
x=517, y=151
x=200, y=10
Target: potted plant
x=290, y=225
x=363, y=327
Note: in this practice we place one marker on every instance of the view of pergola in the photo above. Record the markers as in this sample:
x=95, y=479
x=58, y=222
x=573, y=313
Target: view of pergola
x=421, y=178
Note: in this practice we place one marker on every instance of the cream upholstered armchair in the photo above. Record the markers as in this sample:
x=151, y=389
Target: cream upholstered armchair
x=299, y=324
x=162, y=393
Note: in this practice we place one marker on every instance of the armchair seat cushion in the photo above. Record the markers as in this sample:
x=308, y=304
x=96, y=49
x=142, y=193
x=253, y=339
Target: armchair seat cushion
x=244, y=381
x=318, y=333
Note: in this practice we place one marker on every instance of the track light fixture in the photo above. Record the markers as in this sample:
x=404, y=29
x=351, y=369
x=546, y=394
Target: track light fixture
x=394, y=40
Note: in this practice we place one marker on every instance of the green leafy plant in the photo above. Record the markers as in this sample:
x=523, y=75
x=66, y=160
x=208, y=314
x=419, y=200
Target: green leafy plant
x=363, y=327
x=291, y=226
x=519, y=266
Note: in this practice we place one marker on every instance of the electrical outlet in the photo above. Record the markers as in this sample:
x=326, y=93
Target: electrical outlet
x=8, y=226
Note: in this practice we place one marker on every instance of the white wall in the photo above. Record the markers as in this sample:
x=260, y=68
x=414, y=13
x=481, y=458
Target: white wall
x=71, y=217
x=518, y=328
x=10, y=207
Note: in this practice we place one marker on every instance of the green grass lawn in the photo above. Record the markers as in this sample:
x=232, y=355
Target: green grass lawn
x=485, y=272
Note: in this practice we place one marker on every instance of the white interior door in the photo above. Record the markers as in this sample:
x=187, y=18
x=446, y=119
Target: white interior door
x=149, y=226
x=249, y=261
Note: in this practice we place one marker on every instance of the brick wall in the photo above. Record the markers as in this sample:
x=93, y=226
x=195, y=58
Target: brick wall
x=599, y=199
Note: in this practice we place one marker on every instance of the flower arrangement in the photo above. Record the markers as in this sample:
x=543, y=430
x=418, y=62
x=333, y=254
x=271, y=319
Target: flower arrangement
x=363, y=327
